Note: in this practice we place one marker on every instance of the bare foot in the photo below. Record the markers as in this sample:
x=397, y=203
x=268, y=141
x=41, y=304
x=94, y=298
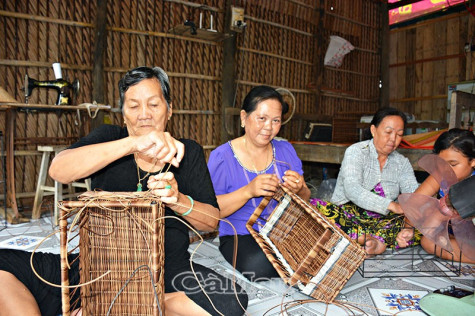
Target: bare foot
x=372, y=245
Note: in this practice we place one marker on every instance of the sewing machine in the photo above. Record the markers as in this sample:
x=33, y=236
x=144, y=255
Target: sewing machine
x=64, y=88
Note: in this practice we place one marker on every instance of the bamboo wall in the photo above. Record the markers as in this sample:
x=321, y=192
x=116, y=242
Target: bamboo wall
x=425, y=58
x=283, y=45
x=352, y=90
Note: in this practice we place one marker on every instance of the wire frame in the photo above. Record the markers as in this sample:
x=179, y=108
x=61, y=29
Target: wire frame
x=121, y=257
x=304, y=247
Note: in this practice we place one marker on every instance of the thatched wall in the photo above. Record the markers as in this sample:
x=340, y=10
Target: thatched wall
x=425, y=58
x=283, y=45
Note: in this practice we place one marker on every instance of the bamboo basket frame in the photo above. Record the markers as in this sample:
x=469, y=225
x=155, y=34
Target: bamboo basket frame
x=304, y=247
x=120, y=236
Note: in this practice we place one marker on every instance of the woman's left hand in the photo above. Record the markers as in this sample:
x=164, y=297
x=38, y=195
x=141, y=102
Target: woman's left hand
x=164, y=186
x=293, y=181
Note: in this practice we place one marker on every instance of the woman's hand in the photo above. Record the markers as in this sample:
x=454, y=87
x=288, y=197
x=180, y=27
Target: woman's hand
x=293, y=181
x=164, y=186
x=161, y=146
x=263, y=185
x=395, y=208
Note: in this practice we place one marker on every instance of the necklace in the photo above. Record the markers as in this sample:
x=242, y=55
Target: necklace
x=139, y=183
x=252, y=159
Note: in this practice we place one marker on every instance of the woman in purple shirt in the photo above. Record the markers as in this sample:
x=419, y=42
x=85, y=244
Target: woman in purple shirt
x=246, y=169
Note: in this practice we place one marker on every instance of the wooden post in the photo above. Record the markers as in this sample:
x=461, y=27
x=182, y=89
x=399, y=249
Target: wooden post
x=228, y=74
x=384, y=92
x=100, y=38
x=10, y=159
x=321, y=44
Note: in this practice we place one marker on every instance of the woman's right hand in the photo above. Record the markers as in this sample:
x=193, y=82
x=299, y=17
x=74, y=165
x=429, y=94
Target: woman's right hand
x=161, y=146
x=263, y=185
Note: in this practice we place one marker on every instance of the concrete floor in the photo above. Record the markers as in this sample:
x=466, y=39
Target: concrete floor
x=384, y=285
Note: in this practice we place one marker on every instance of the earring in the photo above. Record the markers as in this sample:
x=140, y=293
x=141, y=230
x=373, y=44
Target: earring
x=242, y=124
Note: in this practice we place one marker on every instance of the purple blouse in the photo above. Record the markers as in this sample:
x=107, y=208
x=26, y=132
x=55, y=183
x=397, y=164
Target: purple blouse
x=228, y=175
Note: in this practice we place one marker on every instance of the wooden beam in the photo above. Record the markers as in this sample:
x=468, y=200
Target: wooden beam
x=100, y=42
x=228, y=85
x=418, y=61
x=384, y=36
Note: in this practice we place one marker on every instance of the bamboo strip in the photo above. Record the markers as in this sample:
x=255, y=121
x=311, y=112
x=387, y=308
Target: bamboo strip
x=170, y=74
x=422, y=98
x=303, y=4
x=25, y=63
x=159, y=34
x=43, y=19
x=348, y=97
x=352, y=72
x=348, y=20
x=249, y=83
x=275, y=55
x=251, y=18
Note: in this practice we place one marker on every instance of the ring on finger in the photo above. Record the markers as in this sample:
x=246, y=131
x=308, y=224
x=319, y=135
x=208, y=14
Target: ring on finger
x=168, y=186
x=297, y=181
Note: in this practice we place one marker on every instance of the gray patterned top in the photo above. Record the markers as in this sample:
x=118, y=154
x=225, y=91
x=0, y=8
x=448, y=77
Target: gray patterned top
x=360, y=172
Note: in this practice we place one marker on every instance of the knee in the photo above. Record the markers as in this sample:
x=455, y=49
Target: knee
x=15, y=298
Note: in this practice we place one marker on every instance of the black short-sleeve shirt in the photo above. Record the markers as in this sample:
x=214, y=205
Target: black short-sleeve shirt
x=192, y=177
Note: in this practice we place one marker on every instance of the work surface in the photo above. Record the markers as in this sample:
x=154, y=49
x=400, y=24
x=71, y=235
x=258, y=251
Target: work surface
x=379, y=294
x=334, y=153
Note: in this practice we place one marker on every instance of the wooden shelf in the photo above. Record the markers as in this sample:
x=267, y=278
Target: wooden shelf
x=184, y=30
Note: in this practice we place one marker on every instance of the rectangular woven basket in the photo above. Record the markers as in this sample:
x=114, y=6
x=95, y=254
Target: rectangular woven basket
x=121, y=233
x=304, y=247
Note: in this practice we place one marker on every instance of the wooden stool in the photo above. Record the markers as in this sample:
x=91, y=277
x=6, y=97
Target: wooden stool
x=58, y=187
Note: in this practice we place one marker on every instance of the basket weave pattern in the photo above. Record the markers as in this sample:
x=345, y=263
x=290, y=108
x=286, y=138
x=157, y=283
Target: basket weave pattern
x=118, y=236
x=304, y=247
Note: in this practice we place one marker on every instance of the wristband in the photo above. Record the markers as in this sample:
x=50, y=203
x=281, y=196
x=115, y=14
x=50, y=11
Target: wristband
x=190, y=209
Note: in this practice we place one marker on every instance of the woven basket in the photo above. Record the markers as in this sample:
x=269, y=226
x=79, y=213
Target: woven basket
x=119, y=232
x=304, y=247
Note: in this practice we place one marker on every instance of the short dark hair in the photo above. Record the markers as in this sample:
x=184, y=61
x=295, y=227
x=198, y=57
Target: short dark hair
x=262, y=93
x=379, y=116
x=134, y=76
x=460, y=139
